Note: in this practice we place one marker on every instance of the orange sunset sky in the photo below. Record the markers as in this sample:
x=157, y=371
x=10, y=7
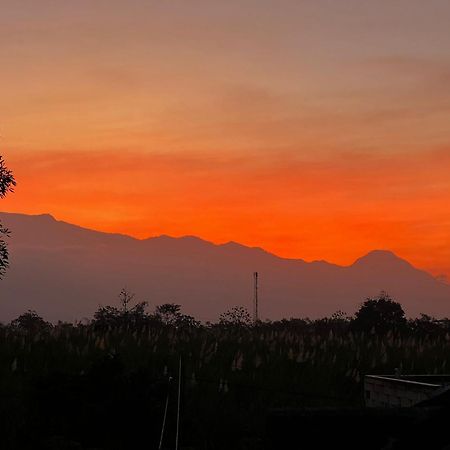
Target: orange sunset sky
x=314, y=129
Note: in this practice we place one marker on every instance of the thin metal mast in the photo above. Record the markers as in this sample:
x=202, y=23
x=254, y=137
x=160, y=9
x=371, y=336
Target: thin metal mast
x=165, y=415
x=177, y=437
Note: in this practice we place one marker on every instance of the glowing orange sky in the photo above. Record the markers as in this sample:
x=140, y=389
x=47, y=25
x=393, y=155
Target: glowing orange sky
x=317, y=130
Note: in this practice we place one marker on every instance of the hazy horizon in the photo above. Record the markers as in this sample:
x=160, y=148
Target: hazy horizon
x=221, y=243
x=65, y=271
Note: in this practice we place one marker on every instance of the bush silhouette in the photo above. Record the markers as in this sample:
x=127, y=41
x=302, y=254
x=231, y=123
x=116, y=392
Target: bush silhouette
x=379, y=315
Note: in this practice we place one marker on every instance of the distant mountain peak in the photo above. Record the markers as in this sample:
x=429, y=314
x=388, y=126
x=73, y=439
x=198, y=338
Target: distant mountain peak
x=380, y=254
x=65, y=271
x=380, y=258
x=232, y=244
x=236, y=246
x=45, y=216
x=193, y=243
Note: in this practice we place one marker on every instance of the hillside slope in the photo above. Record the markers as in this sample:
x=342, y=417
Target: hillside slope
x=64, y=272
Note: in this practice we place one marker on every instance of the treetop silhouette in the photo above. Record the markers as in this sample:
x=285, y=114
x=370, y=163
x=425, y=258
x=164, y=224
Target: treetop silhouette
x=7, y=184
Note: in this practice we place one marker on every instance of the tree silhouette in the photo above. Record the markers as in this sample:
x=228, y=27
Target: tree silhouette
x=31, y=322
x=7, y=183
x=236, y=316
x=110, y=316
x=379, y=315
x=125, y=297
x=170, y=314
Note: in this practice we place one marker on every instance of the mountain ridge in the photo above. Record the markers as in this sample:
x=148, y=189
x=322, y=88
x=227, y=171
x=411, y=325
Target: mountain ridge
x=65, y=271
x=189, y=237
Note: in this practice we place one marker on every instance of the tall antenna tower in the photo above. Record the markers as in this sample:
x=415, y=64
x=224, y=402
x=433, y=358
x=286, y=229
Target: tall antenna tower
x=255, y=297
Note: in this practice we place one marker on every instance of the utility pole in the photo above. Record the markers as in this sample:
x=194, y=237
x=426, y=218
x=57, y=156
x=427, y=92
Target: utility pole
x=177, y=437
x=165, y=415
x=255, y=297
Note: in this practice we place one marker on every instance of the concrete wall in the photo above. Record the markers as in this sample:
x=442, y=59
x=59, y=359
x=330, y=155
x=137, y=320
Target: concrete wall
x=392, y=392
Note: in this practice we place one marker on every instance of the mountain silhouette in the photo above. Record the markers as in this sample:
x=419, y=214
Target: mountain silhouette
x=65, y=272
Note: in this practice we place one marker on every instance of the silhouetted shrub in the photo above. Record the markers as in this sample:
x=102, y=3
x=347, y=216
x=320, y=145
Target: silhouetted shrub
x=31, y=322
x=237, y=316
x=379, y=315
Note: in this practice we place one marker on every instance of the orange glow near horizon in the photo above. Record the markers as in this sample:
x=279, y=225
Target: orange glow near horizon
x=336, y=209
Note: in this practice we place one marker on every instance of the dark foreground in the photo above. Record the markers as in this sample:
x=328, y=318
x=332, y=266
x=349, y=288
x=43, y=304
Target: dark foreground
x=292, y=384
